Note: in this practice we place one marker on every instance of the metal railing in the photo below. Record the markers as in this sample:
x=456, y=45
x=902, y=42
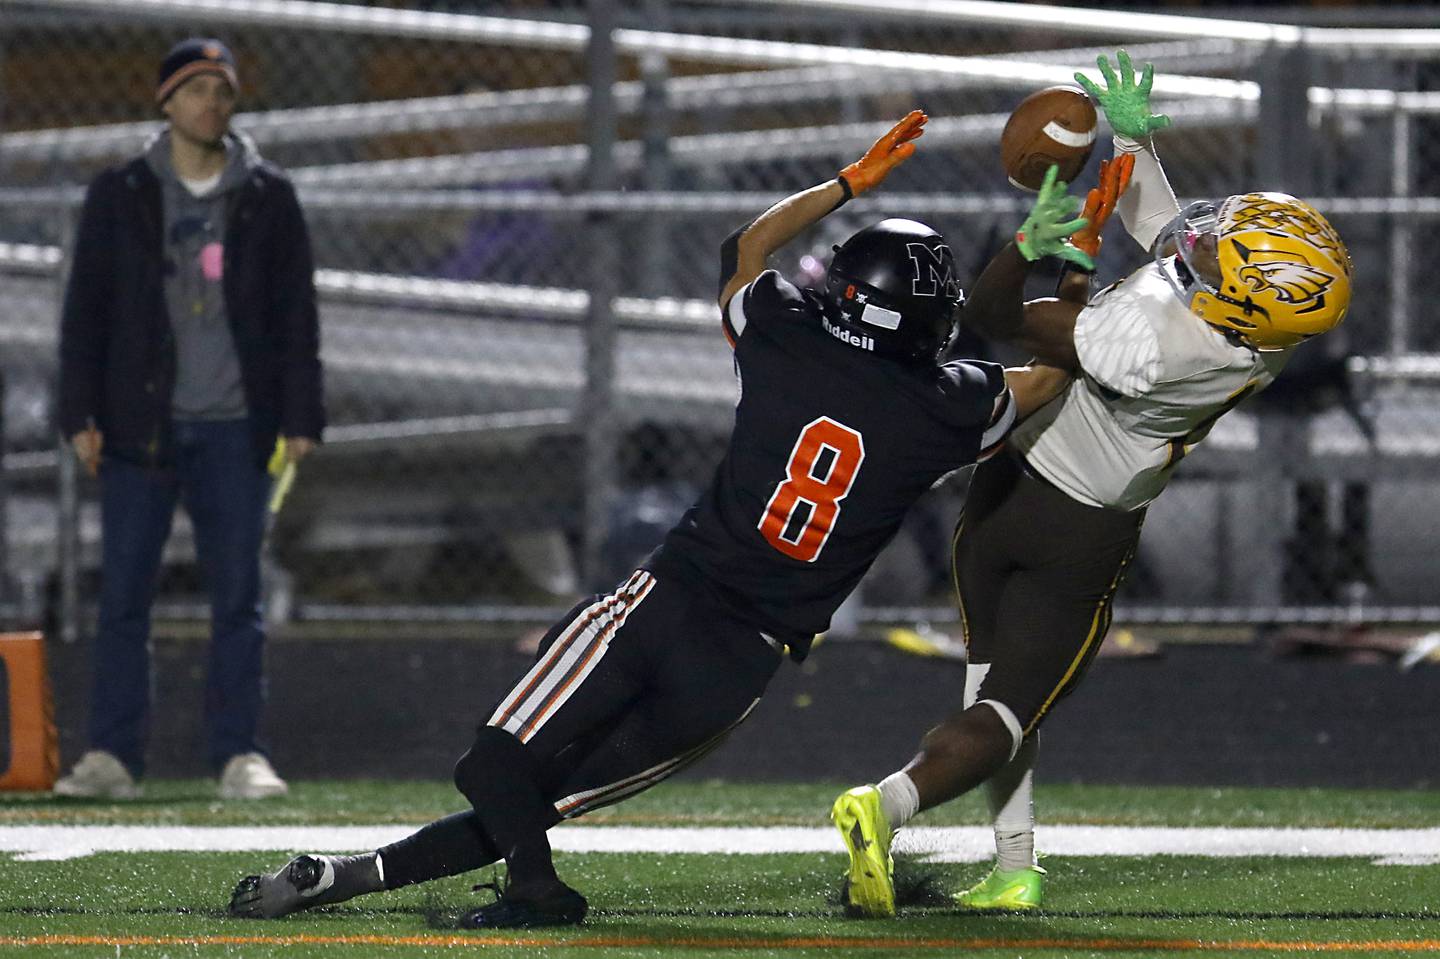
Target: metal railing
x=588, y=313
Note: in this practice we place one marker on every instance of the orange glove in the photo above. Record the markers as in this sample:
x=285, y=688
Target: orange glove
x=1100, y=202
x=891, y=150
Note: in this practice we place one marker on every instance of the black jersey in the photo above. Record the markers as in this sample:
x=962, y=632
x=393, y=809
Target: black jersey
x=832, y=445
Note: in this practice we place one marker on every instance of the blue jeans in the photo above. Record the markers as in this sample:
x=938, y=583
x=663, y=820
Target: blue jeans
x=224, y=492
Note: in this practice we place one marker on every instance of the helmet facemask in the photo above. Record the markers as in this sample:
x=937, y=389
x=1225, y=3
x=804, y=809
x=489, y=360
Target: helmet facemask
x=1186, y=251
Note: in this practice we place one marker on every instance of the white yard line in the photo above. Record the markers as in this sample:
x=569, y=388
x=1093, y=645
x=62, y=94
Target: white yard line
x=934, y=843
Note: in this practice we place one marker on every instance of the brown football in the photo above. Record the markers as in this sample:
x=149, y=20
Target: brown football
x=1052, y=126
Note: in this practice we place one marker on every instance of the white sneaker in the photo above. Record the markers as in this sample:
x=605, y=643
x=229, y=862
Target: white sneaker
x=250, y=776
x=98, y=775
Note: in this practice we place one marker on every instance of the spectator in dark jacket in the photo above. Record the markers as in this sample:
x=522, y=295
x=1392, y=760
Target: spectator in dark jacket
x=189, y=343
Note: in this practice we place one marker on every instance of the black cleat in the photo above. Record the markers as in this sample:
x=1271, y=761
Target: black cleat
x=562, y=906
x=299, y=884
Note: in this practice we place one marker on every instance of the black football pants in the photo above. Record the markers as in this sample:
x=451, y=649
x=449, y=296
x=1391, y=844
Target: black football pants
x=1036, y=572
x=626, y=690
x=632, y=687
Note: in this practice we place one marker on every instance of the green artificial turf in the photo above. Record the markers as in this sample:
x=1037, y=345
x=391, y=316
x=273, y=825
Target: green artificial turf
x=690, y=905
x=715, y=803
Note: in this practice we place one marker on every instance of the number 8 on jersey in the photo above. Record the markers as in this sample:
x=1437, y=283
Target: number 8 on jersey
x=804, y=508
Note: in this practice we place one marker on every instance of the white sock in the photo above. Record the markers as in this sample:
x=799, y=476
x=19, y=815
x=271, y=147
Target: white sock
x=899, y=799
x=1011, y=796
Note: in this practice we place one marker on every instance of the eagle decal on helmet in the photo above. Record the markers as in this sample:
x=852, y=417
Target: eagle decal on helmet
x=1292, y=281
x=1295, y=218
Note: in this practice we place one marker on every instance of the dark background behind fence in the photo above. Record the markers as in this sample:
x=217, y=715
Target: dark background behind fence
x=518, y=259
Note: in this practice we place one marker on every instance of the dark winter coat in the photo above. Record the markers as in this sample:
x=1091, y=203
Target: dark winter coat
x=117, y=349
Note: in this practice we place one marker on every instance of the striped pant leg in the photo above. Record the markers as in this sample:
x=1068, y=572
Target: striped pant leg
x=707, y=681
x=610, y=775
x=581, y=679
x=632, y=688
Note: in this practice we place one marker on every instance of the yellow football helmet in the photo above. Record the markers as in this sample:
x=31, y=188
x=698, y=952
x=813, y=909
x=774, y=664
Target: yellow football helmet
x=1284, y=273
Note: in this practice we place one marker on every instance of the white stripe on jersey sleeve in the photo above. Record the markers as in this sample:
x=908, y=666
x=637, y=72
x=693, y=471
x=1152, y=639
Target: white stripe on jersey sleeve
x=734, y=317
x=999, y=427
x=1117, y=345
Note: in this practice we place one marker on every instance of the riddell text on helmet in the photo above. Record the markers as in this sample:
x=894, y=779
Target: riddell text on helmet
x=845, y=336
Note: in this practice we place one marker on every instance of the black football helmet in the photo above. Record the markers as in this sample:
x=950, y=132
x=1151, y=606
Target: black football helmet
x=892, y=289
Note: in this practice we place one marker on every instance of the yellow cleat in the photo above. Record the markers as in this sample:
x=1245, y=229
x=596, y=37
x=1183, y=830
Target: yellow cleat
x=870, y=884
x=1014, y=890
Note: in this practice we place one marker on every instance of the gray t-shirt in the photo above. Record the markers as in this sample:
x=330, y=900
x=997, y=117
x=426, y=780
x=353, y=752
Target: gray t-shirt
x=208, y=382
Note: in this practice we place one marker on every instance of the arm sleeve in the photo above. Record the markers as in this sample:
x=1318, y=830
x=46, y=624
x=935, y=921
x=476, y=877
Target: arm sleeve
x=986, y=399
x=302, y=409
x=769, y=298
x=1000, y=426
x=730, y=256
x=733, y=318
x=83, y=325
x=1149, y=203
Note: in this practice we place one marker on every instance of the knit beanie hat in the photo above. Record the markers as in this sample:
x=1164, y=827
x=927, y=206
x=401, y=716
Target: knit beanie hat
x=192, y=57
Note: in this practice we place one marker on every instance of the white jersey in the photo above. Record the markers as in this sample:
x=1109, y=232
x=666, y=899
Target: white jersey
x=1154, y=378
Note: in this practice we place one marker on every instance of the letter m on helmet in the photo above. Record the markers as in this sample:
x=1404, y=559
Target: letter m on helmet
x=934, y=270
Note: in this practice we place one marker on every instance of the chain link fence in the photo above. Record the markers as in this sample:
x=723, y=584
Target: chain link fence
x=517, y=235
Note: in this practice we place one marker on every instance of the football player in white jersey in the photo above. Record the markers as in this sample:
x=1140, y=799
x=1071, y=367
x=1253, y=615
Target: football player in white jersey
x=1049, y=529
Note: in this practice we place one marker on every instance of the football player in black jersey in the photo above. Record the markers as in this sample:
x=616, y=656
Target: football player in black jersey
x=846, y=417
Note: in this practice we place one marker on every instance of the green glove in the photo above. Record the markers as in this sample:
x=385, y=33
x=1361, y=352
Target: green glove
x=1125, y=102
x=1045, y=231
